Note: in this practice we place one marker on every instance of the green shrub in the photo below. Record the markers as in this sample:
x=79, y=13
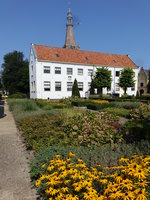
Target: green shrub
x=96, y=106
x=145, y=97
x=41, y=130
x=18, y=96
x=48, y=105
x=22, y=105
x=142, y=112
x=40, y=103
x=136, y=130
x=80, y=103
x=75, y=89
x=122, y=112
x=125, y=105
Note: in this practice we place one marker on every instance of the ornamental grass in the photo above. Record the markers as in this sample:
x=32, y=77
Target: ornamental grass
x=71, y=179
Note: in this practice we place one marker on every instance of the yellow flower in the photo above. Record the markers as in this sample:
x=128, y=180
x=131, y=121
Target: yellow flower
x=72, y=154
x=43, y=166
x=50, y=168
x=37, y=183
x=64, y=189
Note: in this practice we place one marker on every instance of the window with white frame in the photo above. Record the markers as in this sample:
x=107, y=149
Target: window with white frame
x=80, y=71
x=117, y=73
x=69, y=86
x=69, y=71
x=80, y=86
x=46, y=85
x=90, y=72
x=46, y=69
x=57, y=86
x=57, y=70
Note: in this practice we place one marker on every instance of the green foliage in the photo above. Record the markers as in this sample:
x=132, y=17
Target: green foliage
x=137, y=94
x=80, y=102
x=126, y=79
x=21, y=105
x=142, y=112
x=41, y=130
x=145, y=97
x=75, y=89
x=102, y=79
x=136, y=130
x=107, y=154
x=92, y=88
x=122, y=112
x=18, y=95
x=48, y=105
x=15, y=74
x=125, y=105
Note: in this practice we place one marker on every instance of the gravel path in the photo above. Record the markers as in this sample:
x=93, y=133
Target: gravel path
x=15, y=183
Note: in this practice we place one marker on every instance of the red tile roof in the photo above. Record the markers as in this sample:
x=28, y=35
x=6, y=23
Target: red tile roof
x=54, y=54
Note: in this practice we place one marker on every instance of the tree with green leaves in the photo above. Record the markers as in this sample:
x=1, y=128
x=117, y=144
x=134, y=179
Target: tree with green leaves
x=75, y=89
x=126, y=79
x=92, y=87
x=15, y=73
x=102, y=79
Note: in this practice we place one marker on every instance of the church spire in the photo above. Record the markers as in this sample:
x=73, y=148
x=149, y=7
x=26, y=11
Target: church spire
x=70, y=39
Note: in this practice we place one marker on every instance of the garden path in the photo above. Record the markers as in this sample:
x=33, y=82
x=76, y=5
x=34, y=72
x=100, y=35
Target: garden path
x=15, y=183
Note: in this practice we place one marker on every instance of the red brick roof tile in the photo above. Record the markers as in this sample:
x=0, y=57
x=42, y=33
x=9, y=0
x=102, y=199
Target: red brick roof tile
x=54, y=54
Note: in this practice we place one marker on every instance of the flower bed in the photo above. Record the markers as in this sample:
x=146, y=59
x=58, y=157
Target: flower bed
x=70, y=178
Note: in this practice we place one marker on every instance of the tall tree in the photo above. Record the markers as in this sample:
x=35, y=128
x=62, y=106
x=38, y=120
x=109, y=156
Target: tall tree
x=75, y=89
x=92, y=87
x=126, y=79
x=102, y=79
x=15, y=73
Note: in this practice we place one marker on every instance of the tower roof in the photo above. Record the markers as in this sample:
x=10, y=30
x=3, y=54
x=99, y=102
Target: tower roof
x=70, y=38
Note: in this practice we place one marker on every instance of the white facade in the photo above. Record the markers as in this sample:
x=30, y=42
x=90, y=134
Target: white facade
x=53, y=80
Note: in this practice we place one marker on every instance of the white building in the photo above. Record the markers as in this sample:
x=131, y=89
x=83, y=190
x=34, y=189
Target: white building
x=53, y=70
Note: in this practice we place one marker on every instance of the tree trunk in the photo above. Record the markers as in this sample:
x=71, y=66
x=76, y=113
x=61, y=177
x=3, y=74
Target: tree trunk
x=100, y=91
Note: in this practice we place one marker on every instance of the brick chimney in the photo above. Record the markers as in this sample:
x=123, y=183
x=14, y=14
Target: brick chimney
x=70, y=39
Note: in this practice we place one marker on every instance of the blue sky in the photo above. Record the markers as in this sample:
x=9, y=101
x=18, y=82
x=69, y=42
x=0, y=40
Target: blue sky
x=110, y=26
